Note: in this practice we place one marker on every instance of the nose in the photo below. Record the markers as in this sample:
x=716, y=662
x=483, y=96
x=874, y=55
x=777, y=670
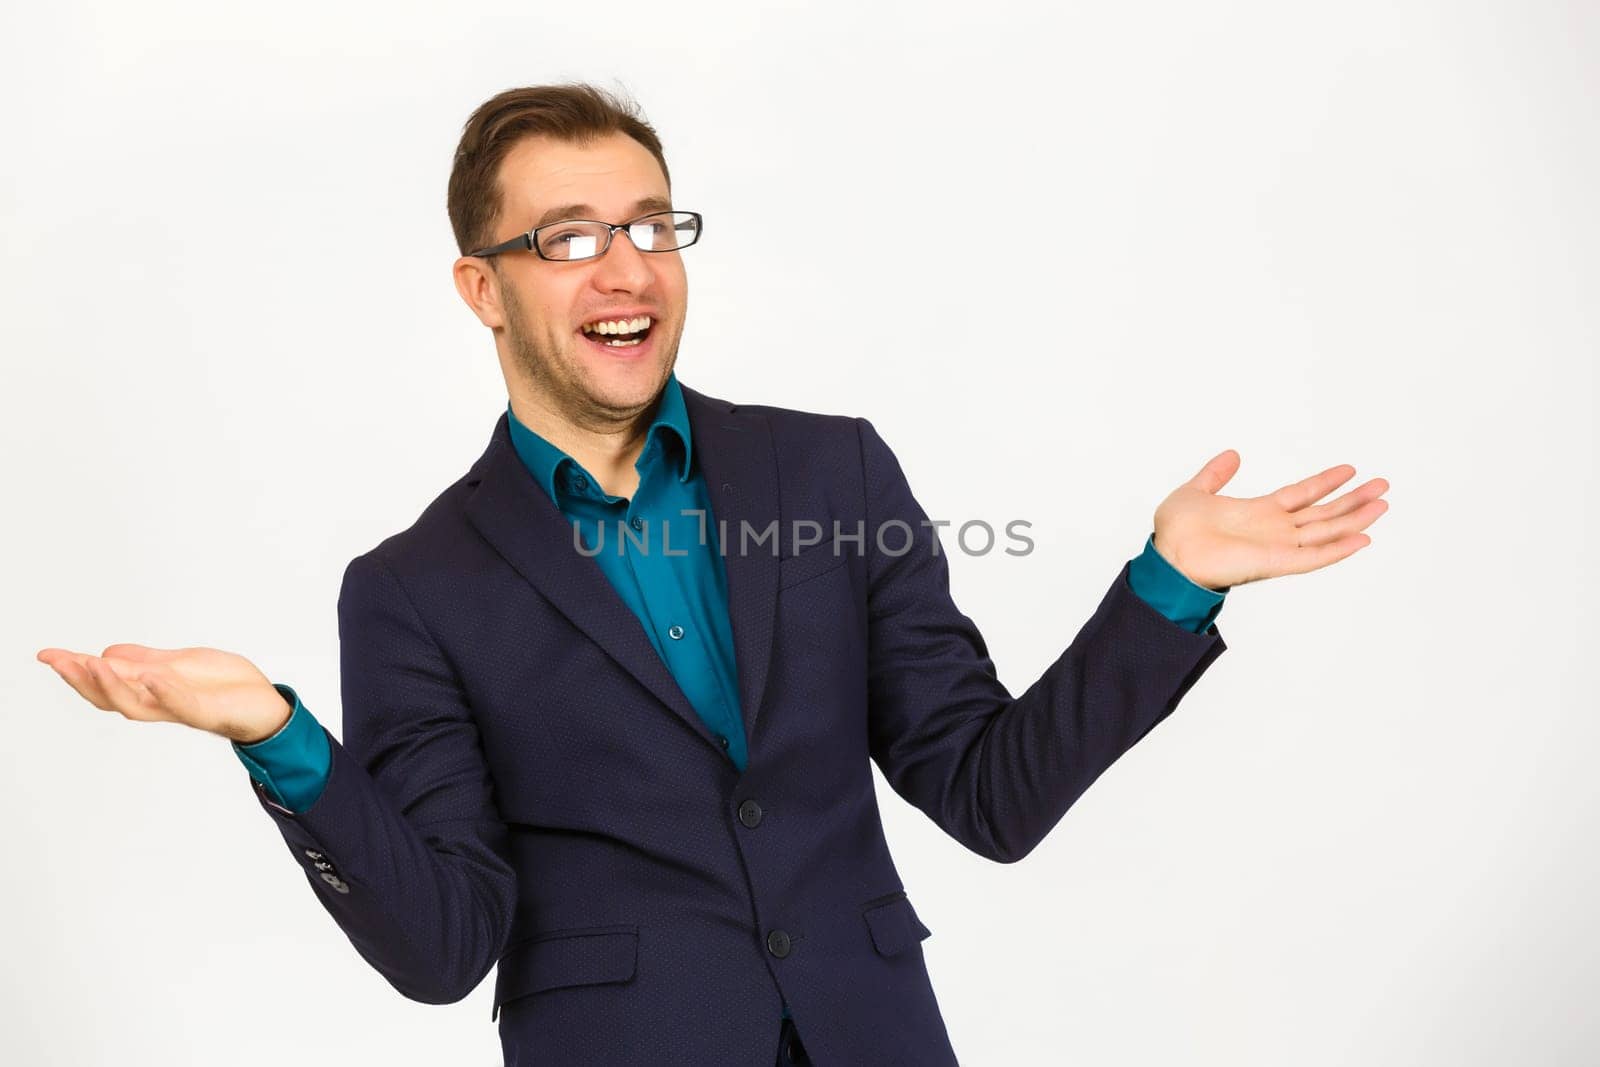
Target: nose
x=623, y=267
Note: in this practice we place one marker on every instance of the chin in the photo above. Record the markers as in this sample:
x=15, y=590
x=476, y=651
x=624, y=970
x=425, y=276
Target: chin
x=624, y=383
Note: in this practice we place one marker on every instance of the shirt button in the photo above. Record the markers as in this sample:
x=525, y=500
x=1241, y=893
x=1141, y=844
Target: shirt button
x=750, y=814
x=778, y=943
x=675, y=632
x=637, y=523
x=723, y=741
x=579, y=482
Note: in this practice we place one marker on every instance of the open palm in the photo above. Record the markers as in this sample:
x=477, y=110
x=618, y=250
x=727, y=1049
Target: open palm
x=206, y=688
x=1221, y=541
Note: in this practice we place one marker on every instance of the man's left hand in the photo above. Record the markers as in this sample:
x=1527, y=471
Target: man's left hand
x=1221, y=541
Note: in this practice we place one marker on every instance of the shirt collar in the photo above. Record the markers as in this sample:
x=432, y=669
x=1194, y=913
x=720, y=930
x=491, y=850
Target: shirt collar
x=544, y=460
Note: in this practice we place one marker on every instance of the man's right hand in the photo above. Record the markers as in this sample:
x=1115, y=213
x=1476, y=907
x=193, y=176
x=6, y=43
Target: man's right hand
x=206, y=688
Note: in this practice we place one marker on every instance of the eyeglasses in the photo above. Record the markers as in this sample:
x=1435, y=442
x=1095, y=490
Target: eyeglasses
x=563, y=242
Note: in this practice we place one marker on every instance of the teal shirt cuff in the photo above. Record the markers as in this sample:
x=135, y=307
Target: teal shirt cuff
x=293, y=763
x=1165, y=588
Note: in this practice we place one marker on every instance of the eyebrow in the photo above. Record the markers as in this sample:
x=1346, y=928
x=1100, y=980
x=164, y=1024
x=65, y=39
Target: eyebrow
x=587, y=211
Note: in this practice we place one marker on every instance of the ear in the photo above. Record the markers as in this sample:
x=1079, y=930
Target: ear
x=479, y=286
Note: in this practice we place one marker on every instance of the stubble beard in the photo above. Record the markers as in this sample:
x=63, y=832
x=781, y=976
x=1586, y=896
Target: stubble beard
x=538, y=360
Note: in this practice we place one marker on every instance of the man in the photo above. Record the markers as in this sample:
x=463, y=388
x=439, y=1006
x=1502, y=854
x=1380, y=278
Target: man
x=610, y=702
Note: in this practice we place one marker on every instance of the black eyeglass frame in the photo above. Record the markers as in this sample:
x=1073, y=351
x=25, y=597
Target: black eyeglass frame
x=529, y=241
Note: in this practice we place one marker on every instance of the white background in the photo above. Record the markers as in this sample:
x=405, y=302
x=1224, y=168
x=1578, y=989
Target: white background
x=1073, y=255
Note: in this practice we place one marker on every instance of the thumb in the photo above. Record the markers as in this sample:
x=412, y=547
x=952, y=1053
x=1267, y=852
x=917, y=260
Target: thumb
x=1216, y=473
x=138, y=653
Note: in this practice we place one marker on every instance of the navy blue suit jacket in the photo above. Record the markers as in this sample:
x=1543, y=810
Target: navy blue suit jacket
x=522, y=783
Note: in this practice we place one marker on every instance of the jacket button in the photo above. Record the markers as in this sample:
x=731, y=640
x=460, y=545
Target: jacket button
x=750, y=814
x=778, y=943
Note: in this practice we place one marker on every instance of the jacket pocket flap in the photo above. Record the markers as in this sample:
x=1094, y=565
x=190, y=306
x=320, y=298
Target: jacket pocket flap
x=813, y=561
x=591, y=956
x=894, y=925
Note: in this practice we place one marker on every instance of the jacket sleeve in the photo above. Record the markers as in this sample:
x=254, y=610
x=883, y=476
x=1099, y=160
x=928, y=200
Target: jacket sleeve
x=993, y=771
x=403, y=845
x=1168, y=590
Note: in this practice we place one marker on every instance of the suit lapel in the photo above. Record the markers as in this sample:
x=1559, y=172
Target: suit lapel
x=734, y=453
x=524, y=525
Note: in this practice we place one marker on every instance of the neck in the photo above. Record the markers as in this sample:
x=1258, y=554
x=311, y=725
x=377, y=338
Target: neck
x=606, y=447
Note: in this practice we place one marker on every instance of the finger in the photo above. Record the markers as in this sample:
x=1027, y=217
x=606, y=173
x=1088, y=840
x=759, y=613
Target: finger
x=72, y=671
x=1321, y=533
x=1304, y=560
x=118, y=694
x=1218, y=469
x=131, y=673
x=1344, y=504
x=1310, y=490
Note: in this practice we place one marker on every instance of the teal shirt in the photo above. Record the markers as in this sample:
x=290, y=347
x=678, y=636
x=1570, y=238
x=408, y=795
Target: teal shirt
x=659, y=551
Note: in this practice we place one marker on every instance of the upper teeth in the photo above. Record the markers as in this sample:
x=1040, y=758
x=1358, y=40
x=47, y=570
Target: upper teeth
x=618, y=325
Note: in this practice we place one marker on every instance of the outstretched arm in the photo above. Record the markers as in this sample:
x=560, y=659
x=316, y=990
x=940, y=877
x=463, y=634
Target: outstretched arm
x=997, y=772
x=402, y=844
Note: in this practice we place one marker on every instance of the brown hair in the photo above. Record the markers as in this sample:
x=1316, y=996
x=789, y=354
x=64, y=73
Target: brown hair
x=574, y=111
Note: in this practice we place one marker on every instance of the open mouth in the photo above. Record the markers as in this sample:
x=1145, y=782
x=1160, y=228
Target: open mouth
x=618, y=333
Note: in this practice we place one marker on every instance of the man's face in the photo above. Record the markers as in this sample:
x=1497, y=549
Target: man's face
x=548, y=304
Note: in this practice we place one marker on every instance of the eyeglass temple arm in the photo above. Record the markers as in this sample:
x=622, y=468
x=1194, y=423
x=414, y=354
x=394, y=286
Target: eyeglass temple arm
x=521, y=240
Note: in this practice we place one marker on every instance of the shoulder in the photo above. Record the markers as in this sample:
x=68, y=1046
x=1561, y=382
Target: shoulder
x=438, y=540
x=794, y=430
